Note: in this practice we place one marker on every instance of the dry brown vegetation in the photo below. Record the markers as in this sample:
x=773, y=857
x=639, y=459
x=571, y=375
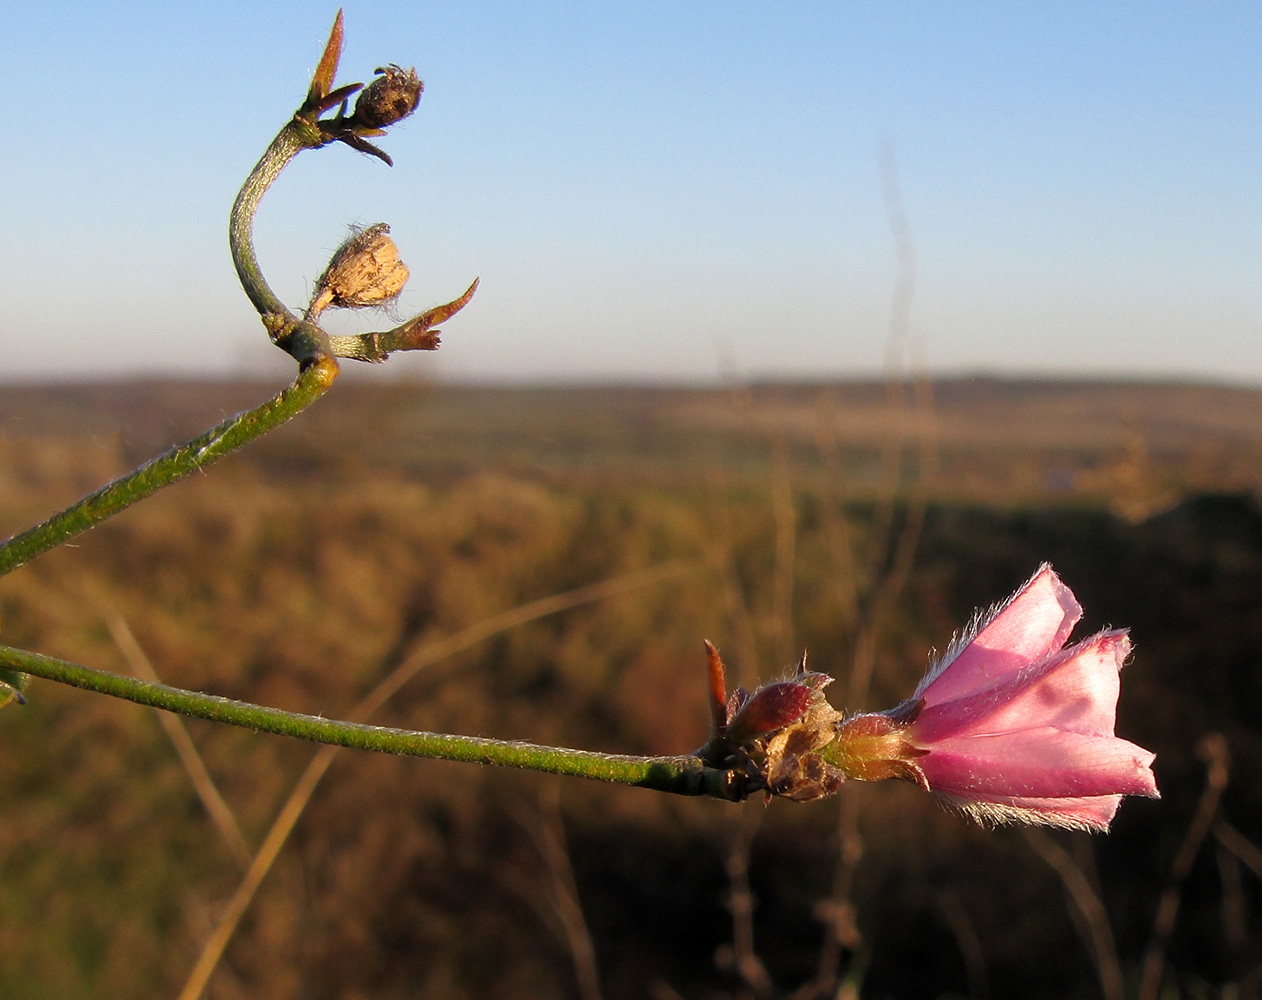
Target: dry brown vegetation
x=304, y=570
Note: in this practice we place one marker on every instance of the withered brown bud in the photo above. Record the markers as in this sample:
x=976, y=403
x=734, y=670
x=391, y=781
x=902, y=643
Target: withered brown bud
x=391, y=97
x=365, y=271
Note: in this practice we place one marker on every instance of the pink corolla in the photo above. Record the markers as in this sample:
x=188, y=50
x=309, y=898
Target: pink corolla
x=1011, y=726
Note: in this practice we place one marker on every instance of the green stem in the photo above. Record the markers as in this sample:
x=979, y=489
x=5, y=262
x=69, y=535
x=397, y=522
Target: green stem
x=312, y=382
x=682, y=775
x=289, y=142
x=304, y=341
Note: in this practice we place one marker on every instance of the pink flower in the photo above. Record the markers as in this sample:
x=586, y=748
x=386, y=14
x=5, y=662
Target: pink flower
x=1009, y=726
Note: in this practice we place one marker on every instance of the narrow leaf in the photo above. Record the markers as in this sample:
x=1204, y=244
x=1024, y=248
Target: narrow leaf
x=440, y=314
x=322, y=81
x=718, y=688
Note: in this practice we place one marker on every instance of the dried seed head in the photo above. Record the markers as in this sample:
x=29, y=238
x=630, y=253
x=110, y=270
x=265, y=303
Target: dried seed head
x=365, y=271
x=391, y=97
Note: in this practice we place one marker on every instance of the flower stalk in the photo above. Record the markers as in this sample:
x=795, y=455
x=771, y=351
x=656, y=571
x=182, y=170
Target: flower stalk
x=680, y=775
x=387, y=100
x=290, y=141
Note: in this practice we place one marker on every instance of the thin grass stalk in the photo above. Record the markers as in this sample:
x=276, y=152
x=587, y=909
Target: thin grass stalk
x=422, y=656
x=1217, y=771
x=1089, y=905
x=203, y=784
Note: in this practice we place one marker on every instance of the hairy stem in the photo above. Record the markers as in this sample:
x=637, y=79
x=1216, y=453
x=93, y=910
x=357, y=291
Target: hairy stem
x=304, y=341
x=312, y=382
x=681, y=775
x=289, y=142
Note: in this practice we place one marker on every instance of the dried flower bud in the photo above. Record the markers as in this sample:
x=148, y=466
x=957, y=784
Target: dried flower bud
x=391, y=97
x=365, y=271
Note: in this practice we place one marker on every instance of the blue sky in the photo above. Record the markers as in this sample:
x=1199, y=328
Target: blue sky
x=651, y=191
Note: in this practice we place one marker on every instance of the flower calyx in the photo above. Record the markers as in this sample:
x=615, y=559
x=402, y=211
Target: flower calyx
x=875, y=746
x=774, y=734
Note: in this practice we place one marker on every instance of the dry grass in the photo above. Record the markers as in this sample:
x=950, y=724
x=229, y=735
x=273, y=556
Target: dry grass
x=307, y=570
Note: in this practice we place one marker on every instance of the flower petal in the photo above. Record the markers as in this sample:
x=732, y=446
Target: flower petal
x=1092, y=814
x=1034, y=622
x=1039, y=763
x=1075, y=690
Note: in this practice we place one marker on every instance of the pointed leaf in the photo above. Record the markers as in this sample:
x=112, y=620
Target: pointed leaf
x=717, y=683
x=364, y=146
x=322, y=81
x=332, y=100
x=440, y=314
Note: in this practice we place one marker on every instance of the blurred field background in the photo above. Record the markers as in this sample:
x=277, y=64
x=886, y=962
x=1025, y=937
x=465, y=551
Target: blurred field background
x=392, y=531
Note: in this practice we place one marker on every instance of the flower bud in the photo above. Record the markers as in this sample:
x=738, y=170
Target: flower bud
x=365, y=271
x=770, y=708
x=391, y=97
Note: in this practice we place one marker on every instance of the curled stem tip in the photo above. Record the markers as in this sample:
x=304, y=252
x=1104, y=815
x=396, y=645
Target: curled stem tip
x=366, y=271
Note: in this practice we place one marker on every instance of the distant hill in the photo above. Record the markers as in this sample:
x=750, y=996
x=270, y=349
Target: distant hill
x=1134, y=445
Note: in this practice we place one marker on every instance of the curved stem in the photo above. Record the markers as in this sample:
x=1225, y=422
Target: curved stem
x=312, y=382
x=304, y=341
x=681, y=775
x=289, y=142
